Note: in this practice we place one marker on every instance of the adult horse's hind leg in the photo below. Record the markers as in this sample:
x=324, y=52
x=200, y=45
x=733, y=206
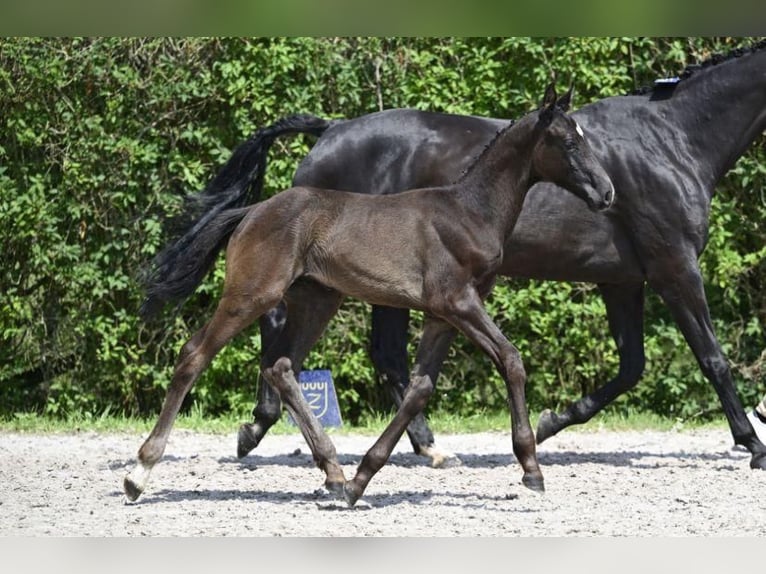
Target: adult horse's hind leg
x=432, y=350
x=268, y=407
x=625, y=312
x=388, y=350
x=233, y=314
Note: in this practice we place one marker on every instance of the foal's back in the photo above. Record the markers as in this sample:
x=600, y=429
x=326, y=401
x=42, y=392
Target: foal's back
x=387, y=250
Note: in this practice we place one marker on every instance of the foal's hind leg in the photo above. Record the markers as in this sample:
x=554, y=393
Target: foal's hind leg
x=625, y=311
x=388, y=342
x=282, y=377
x=310, y=307
x=432, y=350
x=231, y=317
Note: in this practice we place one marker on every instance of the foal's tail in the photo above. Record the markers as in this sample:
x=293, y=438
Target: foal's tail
x=181, y=269
x=206, y=221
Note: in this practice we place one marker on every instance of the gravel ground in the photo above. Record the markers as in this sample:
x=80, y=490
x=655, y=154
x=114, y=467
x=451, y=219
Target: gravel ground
x=598, y=483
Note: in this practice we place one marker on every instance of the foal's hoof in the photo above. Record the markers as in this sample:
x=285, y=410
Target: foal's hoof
x=758, y=461
x=132, y=490
x=535, y=483
x=547, y=425
x=335, y=488
x=351, y=493
x=248, y=438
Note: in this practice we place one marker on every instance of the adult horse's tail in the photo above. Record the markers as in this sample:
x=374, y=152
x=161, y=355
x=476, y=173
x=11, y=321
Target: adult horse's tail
x=207, y=219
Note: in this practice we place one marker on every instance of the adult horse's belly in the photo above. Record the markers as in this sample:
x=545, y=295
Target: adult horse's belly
x=558, y=238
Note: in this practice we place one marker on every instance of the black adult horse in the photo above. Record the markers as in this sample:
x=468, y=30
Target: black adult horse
x=442, y=260
x=666, y=150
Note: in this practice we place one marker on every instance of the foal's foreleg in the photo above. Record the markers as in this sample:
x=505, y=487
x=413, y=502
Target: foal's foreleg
x=432, y=350
x=468, y=314
x=232, y=316
x=388, y=342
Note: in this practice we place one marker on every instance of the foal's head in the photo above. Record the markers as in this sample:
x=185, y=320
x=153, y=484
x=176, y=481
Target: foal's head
x=563, y=156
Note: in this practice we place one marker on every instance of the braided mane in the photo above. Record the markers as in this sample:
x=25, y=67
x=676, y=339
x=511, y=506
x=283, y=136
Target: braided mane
x=713, y=60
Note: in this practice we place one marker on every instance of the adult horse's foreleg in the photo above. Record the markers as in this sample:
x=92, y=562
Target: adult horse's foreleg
x=232, y=316
x=310, y=307
x=683, y=292
x=388, y=350
x=625, y=311
x=432, y=350
x=268, y=407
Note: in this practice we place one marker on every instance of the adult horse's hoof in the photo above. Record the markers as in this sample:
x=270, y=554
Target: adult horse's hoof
x=440, y=458
x=132, y=490
x=547, y=425
x=758, y=461
x=248, y=438
x=451, y=461
x=536, y=483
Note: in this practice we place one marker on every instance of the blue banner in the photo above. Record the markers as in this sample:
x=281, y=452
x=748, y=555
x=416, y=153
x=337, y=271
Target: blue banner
x=319, y=391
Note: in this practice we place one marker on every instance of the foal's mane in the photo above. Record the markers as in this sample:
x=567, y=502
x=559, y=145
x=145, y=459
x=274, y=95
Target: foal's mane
x=712, y=60
x=484, y=151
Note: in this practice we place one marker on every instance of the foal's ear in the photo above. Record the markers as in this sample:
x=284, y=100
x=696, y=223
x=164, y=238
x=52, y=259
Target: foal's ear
x=549, y=99
x=565, y=100
x=549, y=102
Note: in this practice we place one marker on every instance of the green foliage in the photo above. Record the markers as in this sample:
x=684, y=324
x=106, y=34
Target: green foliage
x=100, y=137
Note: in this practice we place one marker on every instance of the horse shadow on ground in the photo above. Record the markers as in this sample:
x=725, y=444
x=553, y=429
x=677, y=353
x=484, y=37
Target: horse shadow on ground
x=628, y=458
x=731, y=459
x=322, y=499
x=325, y=501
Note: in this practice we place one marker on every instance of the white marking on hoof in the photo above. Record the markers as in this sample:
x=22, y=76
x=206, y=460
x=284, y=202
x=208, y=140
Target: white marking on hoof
x=440, y=458
x=138, y=477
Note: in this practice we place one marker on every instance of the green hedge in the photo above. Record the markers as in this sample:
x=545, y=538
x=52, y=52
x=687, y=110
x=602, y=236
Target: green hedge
x=100, y=137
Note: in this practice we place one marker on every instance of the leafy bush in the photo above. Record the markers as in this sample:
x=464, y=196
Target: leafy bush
x=101, y=136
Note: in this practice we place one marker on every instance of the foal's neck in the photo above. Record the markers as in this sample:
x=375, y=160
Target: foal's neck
x=495, y=185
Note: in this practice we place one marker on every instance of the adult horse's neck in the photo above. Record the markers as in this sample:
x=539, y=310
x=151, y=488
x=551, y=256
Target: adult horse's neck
x=722, y=109
x=495, y=185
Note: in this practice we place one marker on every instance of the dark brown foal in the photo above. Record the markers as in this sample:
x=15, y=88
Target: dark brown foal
x=434, y=250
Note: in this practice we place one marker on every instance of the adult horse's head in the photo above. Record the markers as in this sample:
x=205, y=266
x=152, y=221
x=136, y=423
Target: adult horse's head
x=563, y=155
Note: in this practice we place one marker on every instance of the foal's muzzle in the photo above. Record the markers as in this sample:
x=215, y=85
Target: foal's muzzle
x=602, y=199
